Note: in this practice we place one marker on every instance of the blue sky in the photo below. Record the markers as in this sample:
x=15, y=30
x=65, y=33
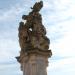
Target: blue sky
x=59, y=20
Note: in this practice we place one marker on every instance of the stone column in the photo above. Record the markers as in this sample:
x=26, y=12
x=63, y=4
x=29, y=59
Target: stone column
x=35, y=62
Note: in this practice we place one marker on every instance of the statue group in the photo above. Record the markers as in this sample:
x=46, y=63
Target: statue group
x=32, y=34
x=34, y=43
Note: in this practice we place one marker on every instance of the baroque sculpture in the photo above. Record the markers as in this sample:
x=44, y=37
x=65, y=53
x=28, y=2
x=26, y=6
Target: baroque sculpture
x=32, y=33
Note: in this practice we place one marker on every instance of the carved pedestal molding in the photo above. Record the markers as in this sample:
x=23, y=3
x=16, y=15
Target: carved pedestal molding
x=35, y=62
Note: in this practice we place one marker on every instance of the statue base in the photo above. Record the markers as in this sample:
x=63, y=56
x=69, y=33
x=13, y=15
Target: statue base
x=34, y=62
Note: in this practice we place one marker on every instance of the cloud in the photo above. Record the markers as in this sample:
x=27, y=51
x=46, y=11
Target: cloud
x=7, y=69
x=61, y=31
x=9, y=50
x=62, y=66
x=10, y=14
x=65, y=45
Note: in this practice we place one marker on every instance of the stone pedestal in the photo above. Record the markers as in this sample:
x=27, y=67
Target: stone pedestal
x=34, y=62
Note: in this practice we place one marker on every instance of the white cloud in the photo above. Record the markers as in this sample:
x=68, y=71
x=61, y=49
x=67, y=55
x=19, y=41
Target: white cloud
x=9, y=50
x=62, y=66
x=62, y=30
x=65, y=46
x=11, y=14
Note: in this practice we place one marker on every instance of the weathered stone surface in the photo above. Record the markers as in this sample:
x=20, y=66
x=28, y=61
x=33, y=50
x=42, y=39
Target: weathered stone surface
x=35, y=62
x=32, y=34
x=34, y=43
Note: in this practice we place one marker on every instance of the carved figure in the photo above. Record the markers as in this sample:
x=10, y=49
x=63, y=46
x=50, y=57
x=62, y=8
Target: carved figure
x=23, y=35
x=37, y=6
x=32, y=34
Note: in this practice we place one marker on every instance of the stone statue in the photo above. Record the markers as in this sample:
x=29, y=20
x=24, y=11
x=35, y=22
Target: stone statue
x=34, y=43
x=32, y=34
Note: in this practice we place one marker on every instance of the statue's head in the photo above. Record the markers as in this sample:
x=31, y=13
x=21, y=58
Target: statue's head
x=41, y=2
x=21, y=23
x=37, y=6
x=24, y=17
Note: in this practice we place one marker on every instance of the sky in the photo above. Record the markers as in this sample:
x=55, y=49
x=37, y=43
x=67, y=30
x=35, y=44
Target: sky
x=58, y=18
